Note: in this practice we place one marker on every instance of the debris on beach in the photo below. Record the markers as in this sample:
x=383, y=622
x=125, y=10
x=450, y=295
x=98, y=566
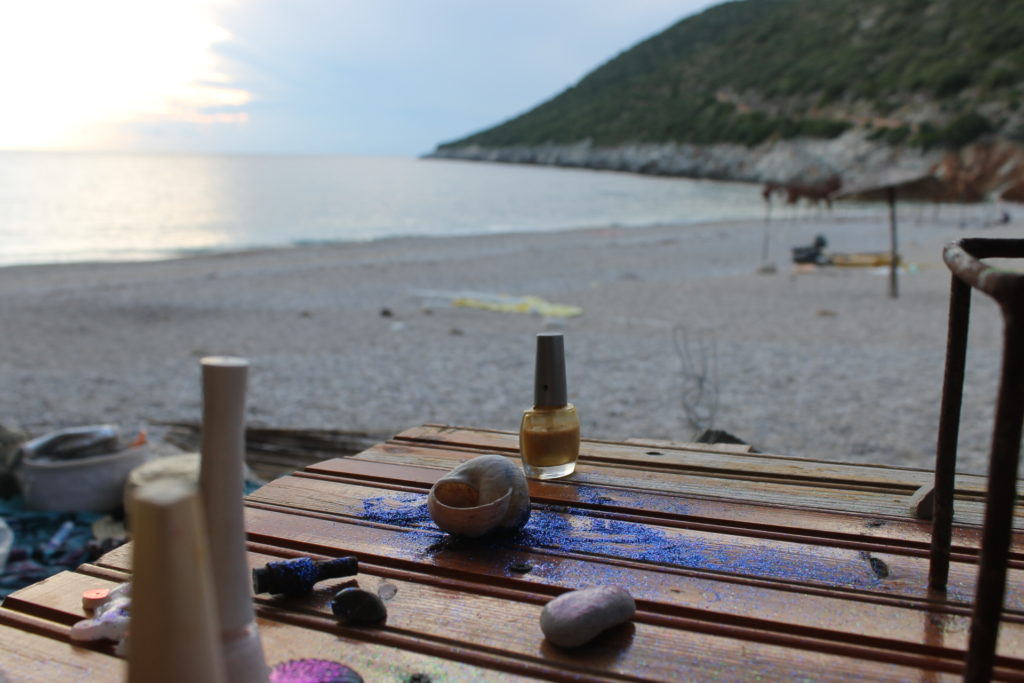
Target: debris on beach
x=80, y=469
x=504, y=303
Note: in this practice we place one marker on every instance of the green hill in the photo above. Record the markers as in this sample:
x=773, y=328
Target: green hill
x=924, y=73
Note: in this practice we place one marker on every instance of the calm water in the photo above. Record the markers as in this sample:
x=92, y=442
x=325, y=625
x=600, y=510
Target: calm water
x=74, y=207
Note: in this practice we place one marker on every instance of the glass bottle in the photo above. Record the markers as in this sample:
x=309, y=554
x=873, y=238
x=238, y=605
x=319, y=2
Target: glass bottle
x=549, y=434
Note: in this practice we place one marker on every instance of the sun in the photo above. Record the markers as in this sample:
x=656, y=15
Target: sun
x=76, y=75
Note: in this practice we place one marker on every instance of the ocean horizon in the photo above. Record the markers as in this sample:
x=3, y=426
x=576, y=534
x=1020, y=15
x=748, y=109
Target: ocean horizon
x=60, y=207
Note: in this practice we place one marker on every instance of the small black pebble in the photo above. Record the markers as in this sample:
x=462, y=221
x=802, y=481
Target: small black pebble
x=875, y=523
x=358, y=606
x=879, y=567
x=385, y=313
x=520, y=567
x=418, y=678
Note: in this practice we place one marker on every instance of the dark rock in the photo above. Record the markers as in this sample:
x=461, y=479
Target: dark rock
x=358, y=606
x=718, y=436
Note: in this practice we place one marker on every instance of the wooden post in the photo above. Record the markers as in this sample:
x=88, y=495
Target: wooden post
x=174, y=632
x=894, y=254
x=221, y=485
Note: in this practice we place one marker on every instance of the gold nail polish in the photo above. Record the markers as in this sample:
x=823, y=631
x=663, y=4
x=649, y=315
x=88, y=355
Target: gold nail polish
x=549, y=434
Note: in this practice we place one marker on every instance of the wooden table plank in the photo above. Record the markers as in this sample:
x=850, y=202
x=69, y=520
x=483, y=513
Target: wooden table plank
x=443, y=609
x=54, y=605
x=744, y=566
x=28, y=657
x=822, y=473
x=630, y=467
x=821, y=564
x=836, y=527
x=777, y=601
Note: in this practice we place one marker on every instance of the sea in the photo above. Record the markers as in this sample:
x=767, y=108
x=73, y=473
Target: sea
x=66, y=207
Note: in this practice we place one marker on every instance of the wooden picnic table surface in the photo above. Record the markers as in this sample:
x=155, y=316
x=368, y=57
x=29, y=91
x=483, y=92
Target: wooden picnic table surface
x=744, y=566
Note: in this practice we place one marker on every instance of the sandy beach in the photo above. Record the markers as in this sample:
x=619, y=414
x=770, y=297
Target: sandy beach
x=365, y=337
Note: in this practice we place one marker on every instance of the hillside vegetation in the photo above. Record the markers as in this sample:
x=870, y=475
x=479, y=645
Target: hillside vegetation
x=922, y=73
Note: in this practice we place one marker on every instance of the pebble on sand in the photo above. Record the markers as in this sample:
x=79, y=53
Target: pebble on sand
x=575, y=618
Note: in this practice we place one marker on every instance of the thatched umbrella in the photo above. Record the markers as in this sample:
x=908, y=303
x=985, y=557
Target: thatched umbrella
x=911, y=184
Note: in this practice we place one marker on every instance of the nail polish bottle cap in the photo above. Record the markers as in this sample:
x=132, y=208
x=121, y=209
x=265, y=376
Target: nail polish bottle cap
x=549, y=378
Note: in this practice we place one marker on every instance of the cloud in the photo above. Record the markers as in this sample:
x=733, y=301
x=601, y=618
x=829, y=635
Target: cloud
x=305, y=76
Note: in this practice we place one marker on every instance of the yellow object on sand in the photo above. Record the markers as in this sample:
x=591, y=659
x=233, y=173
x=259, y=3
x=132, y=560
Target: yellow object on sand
x=862, y=259
x=519, y=304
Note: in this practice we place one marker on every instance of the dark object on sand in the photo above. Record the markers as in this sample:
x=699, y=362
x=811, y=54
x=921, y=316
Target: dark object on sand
x=812, y=253
x=718, y=436
x=11, y=439
x=299, y=575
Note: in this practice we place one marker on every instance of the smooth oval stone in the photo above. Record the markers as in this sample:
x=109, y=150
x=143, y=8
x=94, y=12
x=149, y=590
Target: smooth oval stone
x=358, y=606
x=575, y=618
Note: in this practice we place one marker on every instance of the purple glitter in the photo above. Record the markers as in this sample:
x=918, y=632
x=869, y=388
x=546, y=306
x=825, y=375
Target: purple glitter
x=313, y=671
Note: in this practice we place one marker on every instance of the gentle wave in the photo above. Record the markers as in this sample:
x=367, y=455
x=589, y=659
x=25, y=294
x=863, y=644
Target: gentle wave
x=61, y=207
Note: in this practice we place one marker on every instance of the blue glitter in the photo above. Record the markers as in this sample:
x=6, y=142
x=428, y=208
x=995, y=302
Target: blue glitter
x=407, y=510
x=590, y=532
x=292, y=577
x=632, y=499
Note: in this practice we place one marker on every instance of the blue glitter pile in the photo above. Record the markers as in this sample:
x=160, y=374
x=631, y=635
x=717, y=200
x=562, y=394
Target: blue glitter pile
x=632, y=499
x=408, y=510
x=593, y=533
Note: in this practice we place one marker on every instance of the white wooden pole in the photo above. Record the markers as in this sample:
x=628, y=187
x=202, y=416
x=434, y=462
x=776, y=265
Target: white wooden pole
x=173, y=625
x=221, y=485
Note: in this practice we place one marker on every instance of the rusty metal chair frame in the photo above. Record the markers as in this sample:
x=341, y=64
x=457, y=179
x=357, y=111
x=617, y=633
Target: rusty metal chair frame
x=1007, y=288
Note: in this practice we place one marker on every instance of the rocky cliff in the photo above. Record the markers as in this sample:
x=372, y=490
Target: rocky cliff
x=986, y=169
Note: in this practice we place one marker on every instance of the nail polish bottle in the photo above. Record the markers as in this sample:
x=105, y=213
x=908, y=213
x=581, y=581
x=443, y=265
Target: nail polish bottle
x=549, y=435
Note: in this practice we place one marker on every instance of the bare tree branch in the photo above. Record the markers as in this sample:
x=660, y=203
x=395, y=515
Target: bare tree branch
x=698, y=356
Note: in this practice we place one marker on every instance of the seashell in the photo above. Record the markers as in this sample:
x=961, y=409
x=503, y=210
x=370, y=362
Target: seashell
x=479, y=496
x=314, y=671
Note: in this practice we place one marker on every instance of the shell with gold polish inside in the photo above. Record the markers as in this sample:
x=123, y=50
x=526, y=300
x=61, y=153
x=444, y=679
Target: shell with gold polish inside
x=480, y=495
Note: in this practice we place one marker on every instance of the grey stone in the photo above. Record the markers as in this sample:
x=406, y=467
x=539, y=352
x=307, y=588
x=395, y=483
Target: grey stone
x=575, y=618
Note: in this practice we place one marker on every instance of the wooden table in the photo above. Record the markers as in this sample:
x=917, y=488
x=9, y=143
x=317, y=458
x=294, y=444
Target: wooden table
x=743, y=566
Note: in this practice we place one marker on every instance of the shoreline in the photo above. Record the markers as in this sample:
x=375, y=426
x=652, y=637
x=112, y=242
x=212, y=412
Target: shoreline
x=856, y=212
x=821, y=365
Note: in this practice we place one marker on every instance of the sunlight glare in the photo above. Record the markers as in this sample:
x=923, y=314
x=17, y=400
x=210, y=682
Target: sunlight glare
x=73, y=73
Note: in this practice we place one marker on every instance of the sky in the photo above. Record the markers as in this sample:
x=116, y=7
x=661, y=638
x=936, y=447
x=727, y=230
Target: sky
x=360, y=77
